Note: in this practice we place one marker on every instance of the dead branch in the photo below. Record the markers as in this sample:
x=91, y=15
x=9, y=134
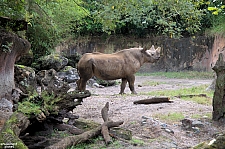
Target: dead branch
x=72, y=129
x=73, y=140
x=104, y=112
x=105, y=130
x=154, y=100
x=106, y=136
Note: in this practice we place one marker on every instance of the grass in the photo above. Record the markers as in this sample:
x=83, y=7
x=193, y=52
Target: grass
x=152, y=83
x=137, y=142
x=180, y=75
x=170, y=117
x=199, y=116
x=196, y=90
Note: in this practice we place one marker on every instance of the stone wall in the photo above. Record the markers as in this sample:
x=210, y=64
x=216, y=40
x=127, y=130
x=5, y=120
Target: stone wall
x=199, y=53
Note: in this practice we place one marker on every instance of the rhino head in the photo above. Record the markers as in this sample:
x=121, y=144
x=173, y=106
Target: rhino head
x=152, y=55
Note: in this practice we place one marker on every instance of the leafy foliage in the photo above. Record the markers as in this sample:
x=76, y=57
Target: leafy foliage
x=172, y=18
x=217, y=8
x=53, y=21
x=13, y=9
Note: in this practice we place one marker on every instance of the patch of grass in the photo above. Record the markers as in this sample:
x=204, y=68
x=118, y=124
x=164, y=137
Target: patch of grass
x=199, y=100
x=152, y=83
x=196, y=90
x=180, y=75
x=199, y=116
x=170, y=117
x=137, y=142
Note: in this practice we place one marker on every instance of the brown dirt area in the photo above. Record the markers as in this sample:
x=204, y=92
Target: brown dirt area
x=154, y=132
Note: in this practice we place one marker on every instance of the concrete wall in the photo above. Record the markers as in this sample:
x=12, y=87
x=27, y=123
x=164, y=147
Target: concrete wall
x=199, y=53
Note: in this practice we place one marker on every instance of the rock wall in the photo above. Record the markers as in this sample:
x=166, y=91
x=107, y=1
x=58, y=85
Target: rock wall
x=199, y=53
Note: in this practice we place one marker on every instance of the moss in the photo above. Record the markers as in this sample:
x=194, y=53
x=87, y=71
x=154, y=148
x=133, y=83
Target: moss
x=28, y=108
x=67, y=68
x=50, y=101
x=8, y=138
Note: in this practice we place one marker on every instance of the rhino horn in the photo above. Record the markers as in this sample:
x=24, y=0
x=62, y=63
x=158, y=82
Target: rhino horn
x=152, y=48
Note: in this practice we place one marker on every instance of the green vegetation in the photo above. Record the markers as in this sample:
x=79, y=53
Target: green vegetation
x=170, y=117
x=152, y=83
x=199, y=116
x=197, y=90
x=53, y=21
x=180, y=75
x=199, y=100
x=35, y=104
x=137, y=142
x=217, y=8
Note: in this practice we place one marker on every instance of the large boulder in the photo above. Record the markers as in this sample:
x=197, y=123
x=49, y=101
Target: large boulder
x=54, y=61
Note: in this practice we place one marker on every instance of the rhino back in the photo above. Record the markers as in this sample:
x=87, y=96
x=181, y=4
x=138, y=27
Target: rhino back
x=113, y=66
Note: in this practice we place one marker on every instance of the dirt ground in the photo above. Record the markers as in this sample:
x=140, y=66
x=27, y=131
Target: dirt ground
x=141, y=119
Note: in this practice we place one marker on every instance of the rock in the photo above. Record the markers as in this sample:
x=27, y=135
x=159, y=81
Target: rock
x=188, y=123
x=68, y=74
x=56, y=62
x=169, y=130
x=6, y=105
x=24, y=77
x=26, y=59
x=197, y=123
x=43, y=77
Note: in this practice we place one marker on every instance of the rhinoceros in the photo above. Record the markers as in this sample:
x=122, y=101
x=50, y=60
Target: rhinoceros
x=120, y=65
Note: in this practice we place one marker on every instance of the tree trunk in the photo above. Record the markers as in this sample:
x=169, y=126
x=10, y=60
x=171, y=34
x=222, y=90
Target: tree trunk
x=219, y=94
x=9, y=134
x=12, y=48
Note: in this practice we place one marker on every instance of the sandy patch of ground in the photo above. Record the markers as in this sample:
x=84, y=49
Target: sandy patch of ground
x=141, y=120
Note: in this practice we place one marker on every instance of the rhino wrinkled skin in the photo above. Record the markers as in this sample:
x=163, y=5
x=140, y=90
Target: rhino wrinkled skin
x=120, y=65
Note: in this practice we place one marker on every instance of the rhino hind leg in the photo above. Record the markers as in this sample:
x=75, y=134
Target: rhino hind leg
x=131, y=80
x=85, y=74
x=82, y=84
x=123, y=85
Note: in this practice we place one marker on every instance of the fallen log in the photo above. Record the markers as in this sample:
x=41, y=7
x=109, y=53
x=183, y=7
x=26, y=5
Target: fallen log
x=153, y=100
x=70, y=128
x=73, y=140
x=104, y=129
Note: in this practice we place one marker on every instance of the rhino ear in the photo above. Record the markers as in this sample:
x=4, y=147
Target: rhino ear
x=144, y=49
x=158, y=49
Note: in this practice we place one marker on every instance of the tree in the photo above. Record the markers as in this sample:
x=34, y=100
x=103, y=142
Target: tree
x=172, y=17
x=217, y=8
x=11, y=49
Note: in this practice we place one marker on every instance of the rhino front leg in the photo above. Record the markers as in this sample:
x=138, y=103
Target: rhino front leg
x=123, y=85
x=131, y=80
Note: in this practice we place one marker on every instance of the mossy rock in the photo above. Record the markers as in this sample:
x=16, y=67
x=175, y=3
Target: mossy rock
x=218, y=143
x=53, y=61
